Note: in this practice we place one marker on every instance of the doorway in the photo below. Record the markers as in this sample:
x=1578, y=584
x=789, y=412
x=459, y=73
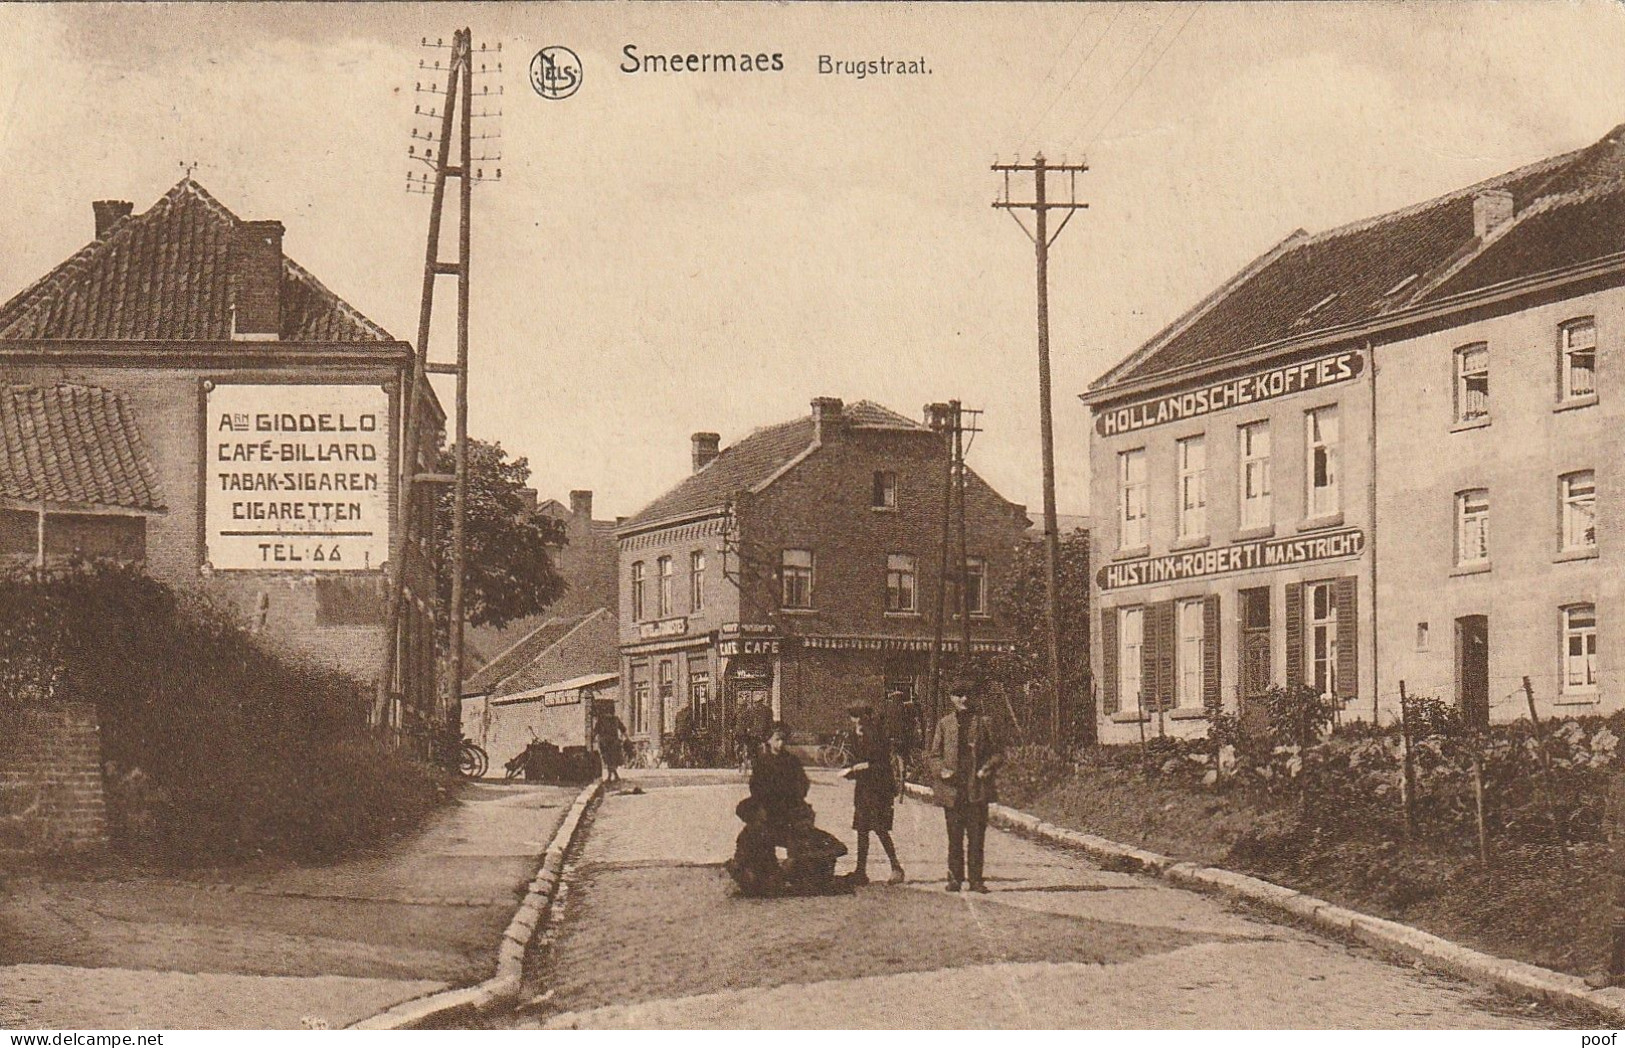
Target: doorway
x=1473, y=668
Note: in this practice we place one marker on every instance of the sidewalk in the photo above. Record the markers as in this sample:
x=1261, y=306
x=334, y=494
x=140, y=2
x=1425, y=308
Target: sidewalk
x=277, y=948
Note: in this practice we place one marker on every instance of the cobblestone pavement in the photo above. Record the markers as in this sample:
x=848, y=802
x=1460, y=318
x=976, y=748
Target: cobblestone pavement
x=648, y=934
x=276, y=947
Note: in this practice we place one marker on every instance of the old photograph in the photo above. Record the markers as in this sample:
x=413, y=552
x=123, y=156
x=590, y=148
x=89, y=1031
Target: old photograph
x=811, y=516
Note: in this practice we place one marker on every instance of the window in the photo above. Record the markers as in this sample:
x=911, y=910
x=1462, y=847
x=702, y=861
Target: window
x=1131, y=491
x=900, y=578
x=696, y=580
x=640, y=699
x=663, y=567
x=1192, y=455
x=1130, y=645
x=1192, y=638
x=699, y=695
x=1255, y=475
x=796, y=567
x=1323, y=638
x=885, y=490
x=1320, y=431
x=1473, y=383
x=1421, y=636
x=1579, y=494
x=1580, y=648
x=976, y=585
x=1577, y=345
x=637, y=591
x=1473, y=527
x=668, y=697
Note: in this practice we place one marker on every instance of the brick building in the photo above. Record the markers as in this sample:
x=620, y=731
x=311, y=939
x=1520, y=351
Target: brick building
x=181, y=393
x=1305, y=468
x=798, y=567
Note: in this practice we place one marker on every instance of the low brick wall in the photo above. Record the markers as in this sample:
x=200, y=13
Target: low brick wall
x=51, y=778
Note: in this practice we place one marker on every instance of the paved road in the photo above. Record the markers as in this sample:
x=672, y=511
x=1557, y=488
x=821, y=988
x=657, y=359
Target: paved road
x=650, y=935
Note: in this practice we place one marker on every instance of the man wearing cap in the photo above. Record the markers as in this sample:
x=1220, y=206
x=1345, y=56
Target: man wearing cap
x=965, y=751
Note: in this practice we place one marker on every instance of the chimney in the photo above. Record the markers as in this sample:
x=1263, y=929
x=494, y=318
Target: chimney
x=1492, y=209
x=581, y=505
x=528, y=496
x=827, y=418
x=256, y=281
x=705, y=449
x=110, y=213
x=940, y=417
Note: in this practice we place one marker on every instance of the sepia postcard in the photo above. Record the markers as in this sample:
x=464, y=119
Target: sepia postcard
x=806, y=516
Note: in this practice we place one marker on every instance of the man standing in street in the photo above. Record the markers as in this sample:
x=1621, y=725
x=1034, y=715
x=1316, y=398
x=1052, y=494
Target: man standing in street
x=966, y=753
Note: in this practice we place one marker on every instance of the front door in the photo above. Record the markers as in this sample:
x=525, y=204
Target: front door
x=1473, y=668
x=1257, y=670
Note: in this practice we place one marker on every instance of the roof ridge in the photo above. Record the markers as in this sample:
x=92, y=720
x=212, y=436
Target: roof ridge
x=575, y=623
x=341, y=304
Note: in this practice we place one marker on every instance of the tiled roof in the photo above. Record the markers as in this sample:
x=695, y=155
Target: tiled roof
x=528, y=649
x=165, y=275
x=73, y=444
x=1567, y=209
x=750, y=461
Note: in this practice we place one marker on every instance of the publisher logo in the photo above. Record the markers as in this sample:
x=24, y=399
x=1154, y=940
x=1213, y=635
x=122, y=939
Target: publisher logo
x=555, y=72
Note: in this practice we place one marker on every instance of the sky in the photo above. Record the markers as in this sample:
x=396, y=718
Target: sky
x=671, y=253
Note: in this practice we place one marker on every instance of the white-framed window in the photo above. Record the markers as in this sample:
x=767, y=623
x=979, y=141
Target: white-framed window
x=1191, y=456
x=1130, y=645
x=1322, y=667
x=1132, y=530
x=637, y=591
x=696, y=580
x=668, y=696
x=976, y=585
x=699, y=695
x=1321, y=447
x=900, y=582
x=796, y=568
x=663, y=569
x=1192, y=641
x=640, y=699
x=884, y=493
x=1473, y=382
x=1580, y=648
x=1578, y=494
x=1577, y=357
x=1473, y=526
x=1256, y=479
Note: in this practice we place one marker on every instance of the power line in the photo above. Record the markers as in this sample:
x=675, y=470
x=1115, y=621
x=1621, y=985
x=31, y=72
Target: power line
x=1082, y=63
x=1147, y=72
x=1102, y=100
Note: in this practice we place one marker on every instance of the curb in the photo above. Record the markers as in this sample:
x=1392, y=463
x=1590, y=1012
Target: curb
x=1388, y=937
x=503, y=987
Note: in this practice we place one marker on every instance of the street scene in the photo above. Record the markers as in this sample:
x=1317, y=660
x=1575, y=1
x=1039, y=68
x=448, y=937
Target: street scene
x=815, y=516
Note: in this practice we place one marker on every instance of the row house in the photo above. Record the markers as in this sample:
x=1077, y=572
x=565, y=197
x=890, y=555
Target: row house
x=798, y=568
x=1377, y=460
x=181, y=394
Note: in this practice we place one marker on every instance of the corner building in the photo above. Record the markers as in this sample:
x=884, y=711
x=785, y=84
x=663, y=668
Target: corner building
x=1429, y=505
x=798, y=567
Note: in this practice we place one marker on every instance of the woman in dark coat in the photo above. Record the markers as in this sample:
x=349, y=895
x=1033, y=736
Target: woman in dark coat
x=873, y=793
x=610, y=732
x=778, y=782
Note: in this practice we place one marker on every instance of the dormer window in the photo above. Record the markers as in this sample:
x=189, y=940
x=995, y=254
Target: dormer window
x=1316, y=308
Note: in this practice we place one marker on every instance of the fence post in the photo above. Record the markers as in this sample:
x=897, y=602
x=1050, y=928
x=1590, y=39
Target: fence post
x=1410, y=764
x=1478, y=799
x=1545, y=761
x=1614, y=823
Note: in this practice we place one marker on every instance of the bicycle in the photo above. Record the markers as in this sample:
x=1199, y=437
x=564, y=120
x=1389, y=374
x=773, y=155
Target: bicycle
x=837, y=752
x=472, y=761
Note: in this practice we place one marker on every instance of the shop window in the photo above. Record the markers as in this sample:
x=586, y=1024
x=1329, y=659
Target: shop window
x=699, y=696
x=1473, y=527
x=1256, y=480
x=1577, y=348
x=796, y=568
x=1192, y=461
x=1578, y=492
x=1133, y=530
x=1322, y=454
x=1580, y=649
x=900, y=582
x=1473, y=383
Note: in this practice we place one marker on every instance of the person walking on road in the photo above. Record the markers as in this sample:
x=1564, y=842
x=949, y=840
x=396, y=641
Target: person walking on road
x=610, y=734
x=873, y=792
x=965, y=751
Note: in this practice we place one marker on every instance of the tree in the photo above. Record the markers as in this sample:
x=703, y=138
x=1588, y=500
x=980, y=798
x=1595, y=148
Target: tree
x=1023, y=674
x=509, y=572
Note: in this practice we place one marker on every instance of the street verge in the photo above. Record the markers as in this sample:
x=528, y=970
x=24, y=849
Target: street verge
x=1389, y=937
x=502, y=989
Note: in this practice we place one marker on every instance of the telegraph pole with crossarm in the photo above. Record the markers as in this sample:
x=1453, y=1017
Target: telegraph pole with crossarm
x=1040, y=206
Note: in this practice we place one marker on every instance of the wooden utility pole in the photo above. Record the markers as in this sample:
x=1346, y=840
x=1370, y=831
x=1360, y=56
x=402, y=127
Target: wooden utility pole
x=941, y=419
x=1042, y=238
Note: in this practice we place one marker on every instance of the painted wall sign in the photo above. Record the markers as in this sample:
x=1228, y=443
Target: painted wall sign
x=1245, y=389
x=1243, y=556
x=748, y=646
x=296, y=477
x=664, y=628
